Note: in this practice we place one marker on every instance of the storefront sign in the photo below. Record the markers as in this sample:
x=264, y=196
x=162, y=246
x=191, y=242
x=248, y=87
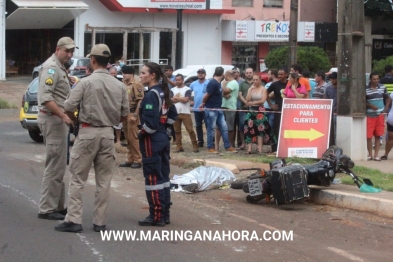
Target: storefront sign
x=241, y=31
x=382, y=48
x=271, y=31
x=165, y=4
x=262, y=65
x=309, y=32
x=305, y=127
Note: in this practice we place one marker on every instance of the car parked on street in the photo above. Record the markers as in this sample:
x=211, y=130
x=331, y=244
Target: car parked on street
x=29, y=112
x=264, y=76
x=77, y=68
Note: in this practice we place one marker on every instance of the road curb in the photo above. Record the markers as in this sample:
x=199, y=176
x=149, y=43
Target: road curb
x=382, y=207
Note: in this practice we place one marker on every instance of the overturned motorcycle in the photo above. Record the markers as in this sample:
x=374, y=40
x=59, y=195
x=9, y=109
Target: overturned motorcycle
x=287, y=183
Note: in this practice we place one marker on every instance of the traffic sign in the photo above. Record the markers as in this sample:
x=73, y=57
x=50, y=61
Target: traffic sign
x=305, y=127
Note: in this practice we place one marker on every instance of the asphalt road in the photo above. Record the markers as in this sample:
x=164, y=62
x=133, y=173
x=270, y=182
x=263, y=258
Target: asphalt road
x=320, y=233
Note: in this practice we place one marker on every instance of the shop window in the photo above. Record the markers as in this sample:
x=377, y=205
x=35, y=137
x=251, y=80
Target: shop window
x=273, y=3
x=244, y=56
x=245, y=3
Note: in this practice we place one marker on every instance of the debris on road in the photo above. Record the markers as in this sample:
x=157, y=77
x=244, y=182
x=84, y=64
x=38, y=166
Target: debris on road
x=369, y=189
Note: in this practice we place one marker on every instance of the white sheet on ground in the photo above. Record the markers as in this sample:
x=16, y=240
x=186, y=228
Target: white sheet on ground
x=203, y=178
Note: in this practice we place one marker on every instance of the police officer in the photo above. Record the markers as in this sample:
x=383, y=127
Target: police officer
x=156, y=113
x=130, y=126
x=103, y=103
x=54, y=86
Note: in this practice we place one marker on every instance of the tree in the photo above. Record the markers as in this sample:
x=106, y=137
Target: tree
x=311, y=58
x=379, y=65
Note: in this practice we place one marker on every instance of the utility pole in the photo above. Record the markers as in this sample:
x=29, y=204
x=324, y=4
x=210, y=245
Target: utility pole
x=292, y=51
x=179, y=42
x=351, y=92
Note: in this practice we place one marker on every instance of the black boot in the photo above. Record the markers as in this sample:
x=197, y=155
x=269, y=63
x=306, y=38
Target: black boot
x=69, y=227
x=150, y=222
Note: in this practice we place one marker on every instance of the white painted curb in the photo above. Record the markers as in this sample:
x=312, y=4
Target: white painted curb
x=382, y=207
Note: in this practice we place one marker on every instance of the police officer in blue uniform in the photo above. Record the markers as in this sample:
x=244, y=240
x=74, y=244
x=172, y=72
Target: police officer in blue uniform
x=157, y=114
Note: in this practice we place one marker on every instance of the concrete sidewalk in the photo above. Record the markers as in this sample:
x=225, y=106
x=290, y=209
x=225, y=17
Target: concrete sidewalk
x=339, y=195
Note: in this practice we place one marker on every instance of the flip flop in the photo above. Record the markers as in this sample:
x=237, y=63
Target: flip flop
x=384, y=158
x=369, y=158
x=249, y=152
x=377, y=159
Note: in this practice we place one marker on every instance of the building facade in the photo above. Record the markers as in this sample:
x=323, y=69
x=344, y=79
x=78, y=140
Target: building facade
x=237, y=32
x=138, y=29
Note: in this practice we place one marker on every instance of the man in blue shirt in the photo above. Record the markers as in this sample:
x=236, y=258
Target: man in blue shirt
x=212, y=101
x=199, y=88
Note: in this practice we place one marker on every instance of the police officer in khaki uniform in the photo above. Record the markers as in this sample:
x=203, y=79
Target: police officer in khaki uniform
x=54, y=87
x=130, y=126
x=103, y=103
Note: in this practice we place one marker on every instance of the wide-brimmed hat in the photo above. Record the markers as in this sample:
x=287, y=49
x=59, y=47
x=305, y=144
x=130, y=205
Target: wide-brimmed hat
x=100, y=50
x=67, y=42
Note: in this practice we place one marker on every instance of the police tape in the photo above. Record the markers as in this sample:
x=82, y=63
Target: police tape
x=248, y=110
x=234, y=110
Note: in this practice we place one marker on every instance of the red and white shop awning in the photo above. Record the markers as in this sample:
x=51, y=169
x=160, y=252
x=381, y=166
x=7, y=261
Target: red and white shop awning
x=44, y=14
x=135, y=6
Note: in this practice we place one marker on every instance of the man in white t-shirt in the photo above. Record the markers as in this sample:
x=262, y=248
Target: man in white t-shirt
x=180, y=96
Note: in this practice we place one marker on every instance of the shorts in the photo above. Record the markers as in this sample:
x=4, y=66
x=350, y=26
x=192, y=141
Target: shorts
x=119, y=126
x=230, y=119
x=375, y=126
x=390, y=128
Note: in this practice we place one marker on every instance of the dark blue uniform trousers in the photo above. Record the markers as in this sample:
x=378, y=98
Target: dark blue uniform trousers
x=155, y=149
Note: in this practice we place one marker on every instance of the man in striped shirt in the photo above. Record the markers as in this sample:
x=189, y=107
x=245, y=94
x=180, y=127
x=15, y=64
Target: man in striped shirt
x=319, y=90
x=375, y=94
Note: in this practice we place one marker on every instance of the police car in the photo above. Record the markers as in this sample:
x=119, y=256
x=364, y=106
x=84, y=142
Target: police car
x=29, y=112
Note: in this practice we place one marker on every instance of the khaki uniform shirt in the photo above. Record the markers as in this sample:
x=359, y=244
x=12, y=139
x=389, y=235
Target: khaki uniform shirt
x=102, y=97
x=53, y=83
x=135, y=94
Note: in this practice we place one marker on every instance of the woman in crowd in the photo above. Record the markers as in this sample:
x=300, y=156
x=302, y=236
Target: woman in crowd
x=156, y=113
x=389, y=123
x=256, y=126
x=294, y=89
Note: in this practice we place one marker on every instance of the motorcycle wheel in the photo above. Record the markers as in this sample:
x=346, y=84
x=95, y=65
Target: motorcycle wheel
x=253, y=200
x=246, y=189
x=239, y=184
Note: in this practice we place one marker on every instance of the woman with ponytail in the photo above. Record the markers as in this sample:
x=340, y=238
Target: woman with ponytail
x=156, y=113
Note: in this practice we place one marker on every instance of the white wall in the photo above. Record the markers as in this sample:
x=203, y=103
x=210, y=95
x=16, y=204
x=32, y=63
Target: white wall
x=2, y=41
x=202, y=38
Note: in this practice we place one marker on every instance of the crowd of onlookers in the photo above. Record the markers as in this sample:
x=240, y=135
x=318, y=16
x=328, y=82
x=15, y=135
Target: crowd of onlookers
x=242, y=110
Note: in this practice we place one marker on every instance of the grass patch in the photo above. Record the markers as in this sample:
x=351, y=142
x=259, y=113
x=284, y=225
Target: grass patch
x=379, y=179
x=5, y=105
